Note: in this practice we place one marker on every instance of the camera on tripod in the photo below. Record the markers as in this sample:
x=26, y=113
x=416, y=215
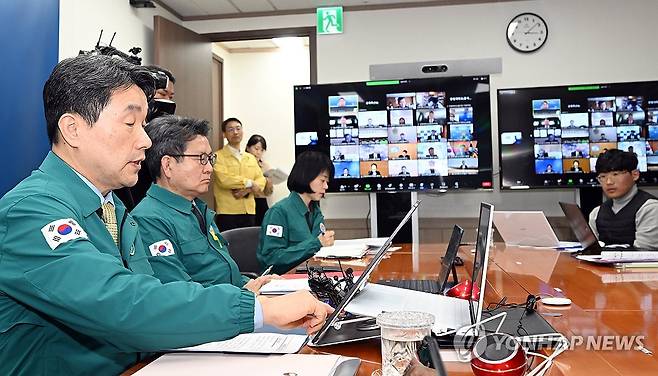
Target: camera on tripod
x=110, y=50
x=157, y=107
x=161, y=79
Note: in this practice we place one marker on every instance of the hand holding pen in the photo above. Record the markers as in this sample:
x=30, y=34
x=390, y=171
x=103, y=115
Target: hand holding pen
x=254, y=285
x=326, y=237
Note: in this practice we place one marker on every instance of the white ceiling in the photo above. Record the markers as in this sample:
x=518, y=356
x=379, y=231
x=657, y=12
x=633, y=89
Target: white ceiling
x=228, y=8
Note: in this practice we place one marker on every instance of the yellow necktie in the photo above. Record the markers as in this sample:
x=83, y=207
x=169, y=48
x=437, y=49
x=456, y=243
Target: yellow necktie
x=110, y=219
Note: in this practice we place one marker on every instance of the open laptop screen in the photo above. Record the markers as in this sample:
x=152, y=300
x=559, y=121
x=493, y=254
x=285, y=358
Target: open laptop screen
x=580, y=227
x=481, y=255
x=360, y=283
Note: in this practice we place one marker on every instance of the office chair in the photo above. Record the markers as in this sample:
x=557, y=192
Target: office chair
x=242, y=246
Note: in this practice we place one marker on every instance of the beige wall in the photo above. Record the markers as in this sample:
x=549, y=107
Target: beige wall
x=588, y=42
x=80, y=23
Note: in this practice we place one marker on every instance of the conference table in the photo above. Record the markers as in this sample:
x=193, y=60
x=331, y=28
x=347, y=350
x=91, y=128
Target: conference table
x=609, y=306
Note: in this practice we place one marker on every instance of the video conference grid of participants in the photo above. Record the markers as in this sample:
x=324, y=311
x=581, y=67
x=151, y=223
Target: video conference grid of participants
x=414, y=135
x=567, y=142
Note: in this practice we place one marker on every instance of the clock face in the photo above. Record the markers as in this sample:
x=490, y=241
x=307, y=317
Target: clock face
x=527, y=32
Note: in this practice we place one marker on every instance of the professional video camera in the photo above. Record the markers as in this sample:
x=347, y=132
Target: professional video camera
x=157, y=107
x=327, y=289
x=109, y=50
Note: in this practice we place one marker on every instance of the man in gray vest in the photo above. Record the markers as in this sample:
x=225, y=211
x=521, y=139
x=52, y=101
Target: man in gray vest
x=630, y=215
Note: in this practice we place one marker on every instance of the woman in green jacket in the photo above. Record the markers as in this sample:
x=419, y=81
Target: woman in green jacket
x=293, y=229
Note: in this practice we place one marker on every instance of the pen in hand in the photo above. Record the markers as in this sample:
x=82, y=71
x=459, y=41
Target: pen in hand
x=267, y=271
x=323, y=230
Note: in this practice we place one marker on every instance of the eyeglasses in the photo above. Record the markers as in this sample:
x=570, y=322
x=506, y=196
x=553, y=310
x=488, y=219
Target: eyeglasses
x=203, y=158
x=614, y=175
x=234, y=129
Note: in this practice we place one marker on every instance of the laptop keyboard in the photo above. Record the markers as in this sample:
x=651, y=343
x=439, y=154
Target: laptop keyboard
x=423, y=285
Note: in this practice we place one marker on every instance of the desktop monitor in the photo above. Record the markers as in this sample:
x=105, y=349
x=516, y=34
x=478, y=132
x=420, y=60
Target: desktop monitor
x=551, y=137
x=399, y=135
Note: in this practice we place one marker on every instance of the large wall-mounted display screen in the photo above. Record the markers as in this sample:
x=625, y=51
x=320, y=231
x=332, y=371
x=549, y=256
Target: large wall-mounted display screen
x=399, y=135
x=551, y=136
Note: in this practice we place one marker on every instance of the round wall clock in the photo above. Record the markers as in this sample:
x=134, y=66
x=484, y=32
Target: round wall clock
x=527, y=32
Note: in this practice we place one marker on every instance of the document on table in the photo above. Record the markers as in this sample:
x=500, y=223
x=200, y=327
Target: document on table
x=343, y=251
x=370, y=242
x=284, y=286
x=288, y=285
x=613, y=257
x=253, y=343
x=262, y=365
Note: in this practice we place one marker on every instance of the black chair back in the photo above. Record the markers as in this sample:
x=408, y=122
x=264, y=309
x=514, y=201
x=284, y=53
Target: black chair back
x=242, y=246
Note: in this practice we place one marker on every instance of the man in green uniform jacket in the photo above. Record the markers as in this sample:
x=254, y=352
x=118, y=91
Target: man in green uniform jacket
x=177, y=227
x=293, y=229
x=76, y=291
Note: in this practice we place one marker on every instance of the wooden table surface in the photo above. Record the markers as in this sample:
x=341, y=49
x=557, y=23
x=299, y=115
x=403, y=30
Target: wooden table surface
x=606, y=304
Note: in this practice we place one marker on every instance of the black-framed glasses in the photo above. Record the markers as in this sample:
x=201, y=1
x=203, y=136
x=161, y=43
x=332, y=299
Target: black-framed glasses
x=203, y=158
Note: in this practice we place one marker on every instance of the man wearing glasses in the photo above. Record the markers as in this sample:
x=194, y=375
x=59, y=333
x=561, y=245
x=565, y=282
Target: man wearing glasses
x=630, y=216
x=182, y=240
x=237, y=177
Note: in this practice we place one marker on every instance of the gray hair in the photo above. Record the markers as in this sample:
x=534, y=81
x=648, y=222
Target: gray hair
x=170, y=135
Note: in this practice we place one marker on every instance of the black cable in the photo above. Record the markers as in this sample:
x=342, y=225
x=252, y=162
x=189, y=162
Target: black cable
x=528, y=306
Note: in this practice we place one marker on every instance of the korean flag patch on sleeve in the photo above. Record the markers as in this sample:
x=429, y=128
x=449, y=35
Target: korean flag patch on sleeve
x=61, y=231
x=274, y=230
x=162, y=248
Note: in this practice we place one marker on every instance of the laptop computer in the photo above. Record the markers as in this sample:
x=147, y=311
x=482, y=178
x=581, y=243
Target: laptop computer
x=580, y=226
x=439, y=285
x=525, y=228
x=581, y=229
x=334, y=330
x=450, y=313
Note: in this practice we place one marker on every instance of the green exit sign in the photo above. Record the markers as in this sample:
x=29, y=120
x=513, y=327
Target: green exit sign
x=330, y=20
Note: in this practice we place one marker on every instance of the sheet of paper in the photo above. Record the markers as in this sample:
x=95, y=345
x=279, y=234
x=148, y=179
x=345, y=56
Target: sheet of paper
x=278, y=176
x=373, y=251
x=231, y=364
x=614, y=257
x=254, y=343
x=370, y=242
x=284, y=286
x=593, y=258
x=342, y=251
x=622, y=256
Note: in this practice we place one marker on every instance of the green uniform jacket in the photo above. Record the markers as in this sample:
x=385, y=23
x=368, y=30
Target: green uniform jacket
x=287, y=237
x=72, y=302
x=200, y=257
